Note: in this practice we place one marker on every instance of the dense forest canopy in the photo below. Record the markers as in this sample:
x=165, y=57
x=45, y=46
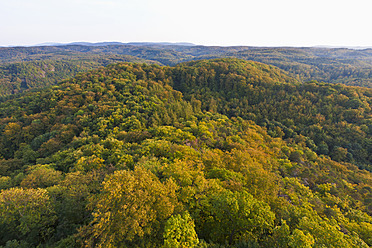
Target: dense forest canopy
x=210, y=153
x=20, y=66
x=330, y=118
x=19, y=76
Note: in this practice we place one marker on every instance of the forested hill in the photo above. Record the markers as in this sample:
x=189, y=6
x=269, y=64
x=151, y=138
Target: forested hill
x=19, y=76
x=330, y=119
x=212, y=153
x=332, y=65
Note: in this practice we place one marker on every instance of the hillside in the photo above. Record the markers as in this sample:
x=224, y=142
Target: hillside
x=17, y=77
x=158, y=53
x=331, y=65
x=338, y=65
x=329, y=119
x=212, y=153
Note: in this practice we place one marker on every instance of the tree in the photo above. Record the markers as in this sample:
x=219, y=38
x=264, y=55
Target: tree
x=132, y=209
x=41, y=176
x=232, y=216
x=339, y=154
x=179, y=232
x=281, y=235
x=299, y=240
x=26, y=214
x=323, y=232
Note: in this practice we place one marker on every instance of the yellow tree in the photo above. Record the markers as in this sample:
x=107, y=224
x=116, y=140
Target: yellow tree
x=132, y=208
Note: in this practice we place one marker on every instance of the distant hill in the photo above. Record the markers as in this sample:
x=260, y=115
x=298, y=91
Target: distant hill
x=331, y=65
x=348, y=47
x=160, y=44
x=108, y=43
x=17, y=77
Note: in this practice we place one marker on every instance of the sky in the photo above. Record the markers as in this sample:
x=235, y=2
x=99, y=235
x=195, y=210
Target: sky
x=202, y=22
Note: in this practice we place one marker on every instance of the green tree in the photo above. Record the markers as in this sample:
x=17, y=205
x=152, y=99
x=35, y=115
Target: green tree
x=232, y=216
x=324, y=233
x=179, y=232
x=281, y=235
x=300, y=240
x=26, y=214
x=41, y=176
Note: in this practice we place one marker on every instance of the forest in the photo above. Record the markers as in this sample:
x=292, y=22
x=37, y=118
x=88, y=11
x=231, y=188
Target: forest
x=209, y=153
x=20, y=76
x=23, y=68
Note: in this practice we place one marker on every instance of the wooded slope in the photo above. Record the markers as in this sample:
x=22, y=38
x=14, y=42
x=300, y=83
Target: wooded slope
x=137, y=155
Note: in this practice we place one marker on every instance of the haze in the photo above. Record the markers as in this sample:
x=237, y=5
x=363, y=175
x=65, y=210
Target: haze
x=226, y=23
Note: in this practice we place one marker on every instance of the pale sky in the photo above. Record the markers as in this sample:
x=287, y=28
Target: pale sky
x=202, y=22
